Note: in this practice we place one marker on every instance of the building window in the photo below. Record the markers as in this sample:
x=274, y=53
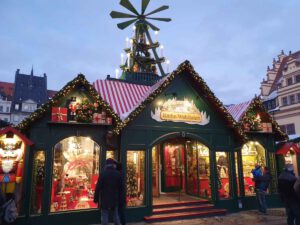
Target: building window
x=135, y=182
x=75, y=173
x=38, y=182
x=292, y=99
x=289, y=81
x=298, y=97
x=16, y=118
x=1, y=108
x=284, y=101
x=7, y=109
x=223, y=175
x=297, y=78
x=290, y=129
x=252, y=153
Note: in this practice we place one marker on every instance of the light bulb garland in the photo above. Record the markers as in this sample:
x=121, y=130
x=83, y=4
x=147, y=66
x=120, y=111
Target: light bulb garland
x=79, y=80
x=256, y=106
x=186, y=66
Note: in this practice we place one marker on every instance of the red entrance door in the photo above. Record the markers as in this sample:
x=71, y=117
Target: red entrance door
x=173, y=167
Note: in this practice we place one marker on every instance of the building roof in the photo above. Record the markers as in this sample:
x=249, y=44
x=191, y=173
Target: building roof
x=163, y=83
x=238, y=110
x=295, y=55
x=7, y=88
x=9, y=129
x=122, y=97
x=51, y=93
x=29, y=87
x=77, y=82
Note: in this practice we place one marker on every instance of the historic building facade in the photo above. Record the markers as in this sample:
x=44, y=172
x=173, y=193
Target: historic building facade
x=281, y=91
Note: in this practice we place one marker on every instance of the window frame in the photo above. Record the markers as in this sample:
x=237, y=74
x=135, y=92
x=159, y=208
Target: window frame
x=289, y=81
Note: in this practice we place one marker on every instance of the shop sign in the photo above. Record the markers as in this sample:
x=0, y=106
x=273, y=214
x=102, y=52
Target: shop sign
x=179, y=111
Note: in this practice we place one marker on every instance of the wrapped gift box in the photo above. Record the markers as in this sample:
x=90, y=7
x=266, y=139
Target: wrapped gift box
x=97, y=118
x=59, y=114
x=266, y=127
x=109, y=120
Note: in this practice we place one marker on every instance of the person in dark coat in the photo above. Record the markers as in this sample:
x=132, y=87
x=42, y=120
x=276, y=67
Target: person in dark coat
x=123, y=197
x=257, y=173
x=108, y=192
x=291, y=201
x=263, y=185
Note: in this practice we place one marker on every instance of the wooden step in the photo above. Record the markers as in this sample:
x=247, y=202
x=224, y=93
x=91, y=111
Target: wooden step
x=187, y=208
x=181, y=203
x=184, y=215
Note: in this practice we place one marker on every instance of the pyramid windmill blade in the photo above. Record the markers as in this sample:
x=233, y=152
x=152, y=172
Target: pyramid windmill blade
x=160, y=19
x=144, y=5
x=129, y=6
x=164, y=7
x=151, y=25
x=126, y=24
x=115, y=14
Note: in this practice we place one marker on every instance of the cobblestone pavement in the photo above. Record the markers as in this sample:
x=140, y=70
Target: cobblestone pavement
x=274, y=217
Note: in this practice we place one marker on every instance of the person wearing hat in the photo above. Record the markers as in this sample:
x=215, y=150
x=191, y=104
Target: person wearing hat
x=291, y=201
x=108, y=192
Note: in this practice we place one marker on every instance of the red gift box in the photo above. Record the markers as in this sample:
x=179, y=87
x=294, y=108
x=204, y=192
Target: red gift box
x=97, y=118
x=59, y=114
x=109, y=120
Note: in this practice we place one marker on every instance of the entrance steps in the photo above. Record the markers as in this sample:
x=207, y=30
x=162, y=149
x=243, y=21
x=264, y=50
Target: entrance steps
x=183, y=210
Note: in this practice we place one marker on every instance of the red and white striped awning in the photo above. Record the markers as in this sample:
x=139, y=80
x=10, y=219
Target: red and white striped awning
x=124, y=97
x=237, y=111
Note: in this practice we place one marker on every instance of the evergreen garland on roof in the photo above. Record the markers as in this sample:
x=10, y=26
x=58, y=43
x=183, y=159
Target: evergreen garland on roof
x=186, y=66
x=256, y=105
x=72, y=85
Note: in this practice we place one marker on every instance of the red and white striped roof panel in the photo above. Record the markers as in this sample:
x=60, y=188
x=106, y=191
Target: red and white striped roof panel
x=238, y=110
x=124, y=97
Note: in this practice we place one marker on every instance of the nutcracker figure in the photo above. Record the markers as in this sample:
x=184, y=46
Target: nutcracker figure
x=11, y=164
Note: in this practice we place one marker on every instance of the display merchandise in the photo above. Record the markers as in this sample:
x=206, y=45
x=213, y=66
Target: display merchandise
x=75, y=174
x=223, y=174
x=135, y=183
x=59, y=114
x=38, y=181
x=252, y=153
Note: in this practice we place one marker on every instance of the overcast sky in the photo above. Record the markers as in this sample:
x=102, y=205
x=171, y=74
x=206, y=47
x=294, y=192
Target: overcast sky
x=229, y=42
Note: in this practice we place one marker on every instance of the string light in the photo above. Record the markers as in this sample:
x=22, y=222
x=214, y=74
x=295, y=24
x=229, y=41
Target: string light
x=119, y=124
x=66, y=90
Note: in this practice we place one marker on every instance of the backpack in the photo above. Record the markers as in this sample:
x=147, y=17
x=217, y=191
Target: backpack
x=10, y=211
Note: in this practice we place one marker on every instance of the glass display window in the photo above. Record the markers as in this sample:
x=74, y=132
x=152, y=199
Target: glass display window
x=223, y=181
x=75, y=174
x=204, y=171
x=252, y=153
x=198, y=180
x=38, y=182
x=236, y=162
x=12, y=150
x=155, y=169
x=135, y=178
